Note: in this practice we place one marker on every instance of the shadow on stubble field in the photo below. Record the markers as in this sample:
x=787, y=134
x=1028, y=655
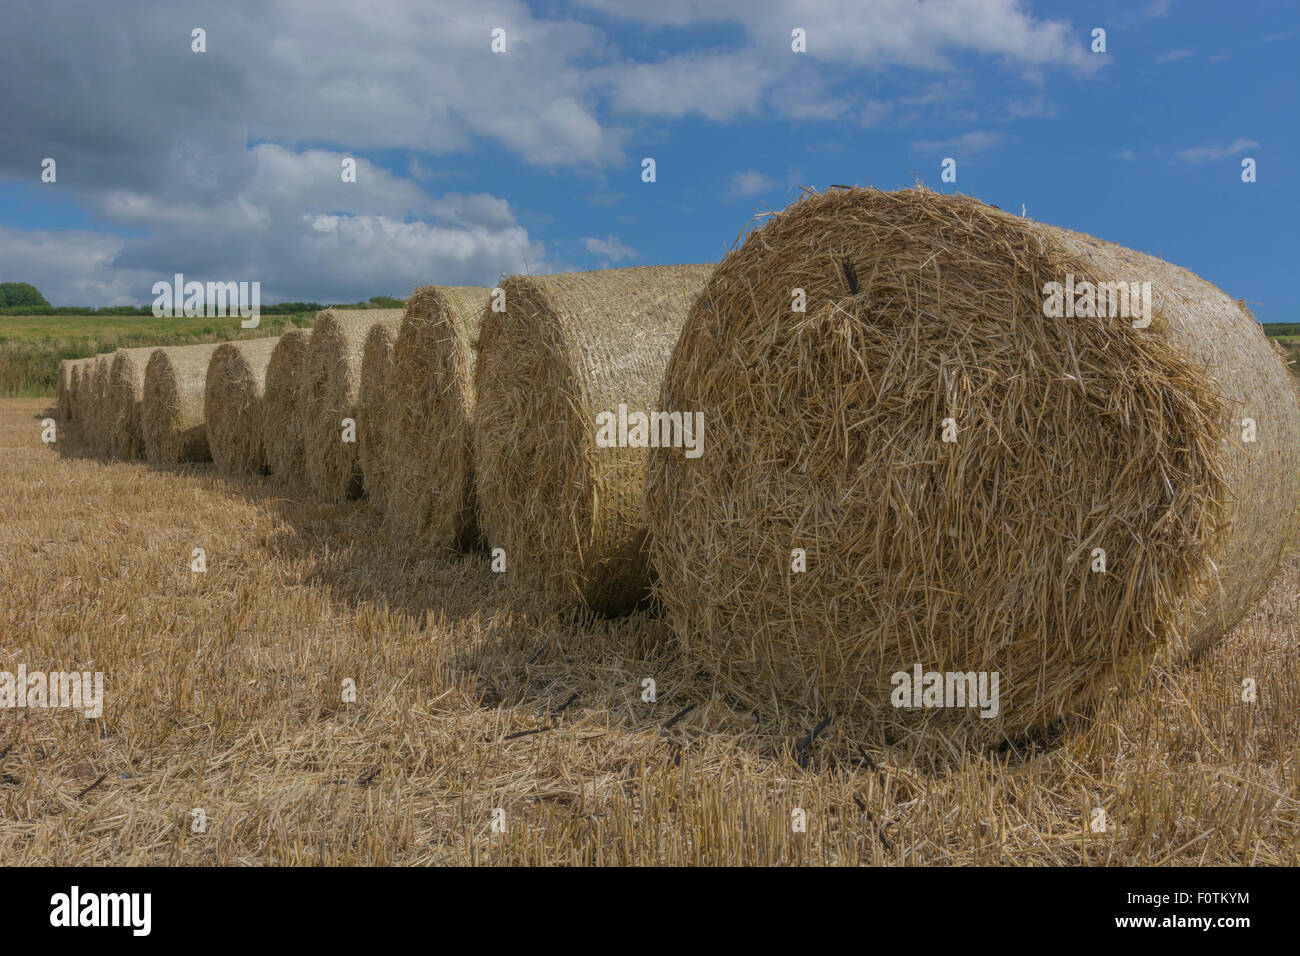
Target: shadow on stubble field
x=224, y=692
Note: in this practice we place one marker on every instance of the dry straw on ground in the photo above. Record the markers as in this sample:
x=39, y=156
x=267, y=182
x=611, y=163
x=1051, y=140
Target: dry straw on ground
x=824, y=434
x=330, y=389
x=565, y=349
x=172, y=411
x=222, y=692
x=125, y=400
x=232, y=405
x=281, y=420
x=372, y=393
x=428, y=448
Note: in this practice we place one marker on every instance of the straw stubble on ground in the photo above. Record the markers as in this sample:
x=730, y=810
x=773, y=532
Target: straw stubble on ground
x=223, y=692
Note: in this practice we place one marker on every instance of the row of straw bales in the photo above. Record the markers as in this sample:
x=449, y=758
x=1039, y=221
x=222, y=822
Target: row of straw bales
x=828, y=536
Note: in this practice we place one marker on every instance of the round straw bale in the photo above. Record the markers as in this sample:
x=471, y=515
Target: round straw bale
x=97, y=404
x=83, y=404
x=63, y=392
x=172, y=410
x=281, y=421
x=330, y=389
x=74, y=376
x=76, y=396
x=428, y=448
x=831, y=431
x=232, y=404
x=123, y=405
x=79, y=387
x=376, y=370
x=566, y=350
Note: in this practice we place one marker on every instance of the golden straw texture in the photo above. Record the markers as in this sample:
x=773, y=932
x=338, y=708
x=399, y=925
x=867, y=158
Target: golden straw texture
x=123, y=408
x=428, y=450
x=232, y=405
x=1073, y=437
x=63, y=391
x=330, y=390
x=97, y=417
x=566, y=349
x=171, y=413
x=372, y=426
x=281, y=419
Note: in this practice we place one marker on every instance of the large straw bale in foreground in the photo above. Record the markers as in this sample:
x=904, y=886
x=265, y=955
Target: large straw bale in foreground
x=428, y=447
x=172, y=409
x=330, y=390
x=281, y=419
x=566, y=349
x=125, y=402
x=232, y=404
x=825, y=433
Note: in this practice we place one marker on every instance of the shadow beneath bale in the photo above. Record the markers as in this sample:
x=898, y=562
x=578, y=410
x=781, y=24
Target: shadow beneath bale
x=544, y=667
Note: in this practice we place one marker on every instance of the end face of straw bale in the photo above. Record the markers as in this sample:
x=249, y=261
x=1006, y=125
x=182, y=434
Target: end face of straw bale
x=566, y=350
x=914, y=474
x=124, y=405
x=232, y=405
x=64, y=390
x=330, y=391
x=172, y=406
x=282, y=420
x=428, y=451
x=372, y=411
x=98, y=419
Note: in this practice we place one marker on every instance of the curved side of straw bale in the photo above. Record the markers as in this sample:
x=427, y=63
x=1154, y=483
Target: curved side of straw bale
x=232, y=404
x=78, y=379
x=97, y=418
x=63, y=391
x=372, y=425
x=125, y=399
x=330, y=389
x=1260, y=462
x=69, y=412
x=1072, y=441
x=76, y=391
x=428, y=449
x=281, y=420
x=566, y=349
x=83, y=405
x=172, y=410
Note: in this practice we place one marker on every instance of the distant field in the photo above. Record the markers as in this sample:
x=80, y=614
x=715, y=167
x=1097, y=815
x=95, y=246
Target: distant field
x=31, y=346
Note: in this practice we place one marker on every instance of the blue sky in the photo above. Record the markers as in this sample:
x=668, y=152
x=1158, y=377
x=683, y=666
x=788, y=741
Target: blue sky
x=224, y=165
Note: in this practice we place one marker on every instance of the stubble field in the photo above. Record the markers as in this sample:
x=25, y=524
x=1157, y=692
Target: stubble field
x=485, y=731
